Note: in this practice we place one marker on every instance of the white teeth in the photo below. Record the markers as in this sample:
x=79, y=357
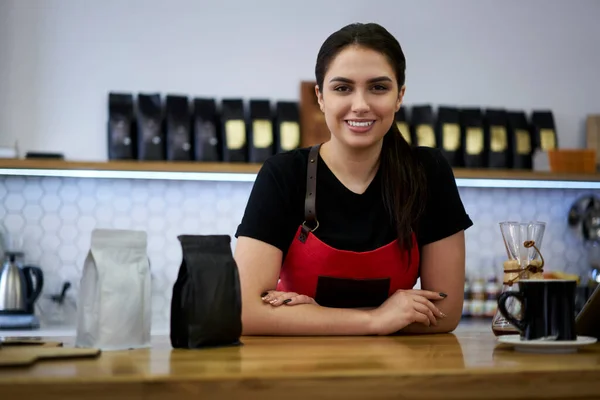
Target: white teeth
x=355, y=123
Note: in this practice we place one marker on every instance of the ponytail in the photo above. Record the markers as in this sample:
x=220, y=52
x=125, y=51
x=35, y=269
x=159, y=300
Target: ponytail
x=404, y=185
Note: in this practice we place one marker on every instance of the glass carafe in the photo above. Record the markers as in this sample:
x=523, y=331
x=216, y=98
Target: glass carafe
x=522, y=241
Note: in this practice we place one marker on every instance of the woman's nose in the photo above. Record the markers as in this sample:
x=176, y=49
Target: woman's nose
x=359, y=103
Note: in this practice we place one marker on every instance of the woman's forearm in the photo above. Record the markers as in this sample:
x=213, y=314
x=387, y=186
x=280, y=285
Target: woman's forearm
x=304, y=319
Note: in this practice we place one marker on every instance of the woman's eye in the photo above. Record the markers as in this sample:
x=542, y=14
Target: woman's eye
x=341, y=88
x=379, y=88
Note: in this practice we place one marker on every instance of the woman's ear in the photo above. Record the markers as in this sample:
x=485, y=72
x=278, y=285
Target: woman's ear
x=400, y=97
x=319, y=98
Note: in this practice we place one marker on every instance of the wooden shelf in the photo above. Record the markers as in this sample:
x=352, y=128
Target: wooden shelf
x=215, y=171
x=154, y=166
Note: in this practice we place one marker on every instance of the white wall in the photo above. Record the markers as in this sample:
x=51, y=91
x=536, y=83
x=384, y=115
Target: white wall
x=59, y=58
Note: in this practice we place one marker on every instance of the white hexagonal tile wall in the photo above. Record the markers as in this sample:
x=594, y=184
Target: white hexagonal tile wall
x=69, y=192
x=14, y=202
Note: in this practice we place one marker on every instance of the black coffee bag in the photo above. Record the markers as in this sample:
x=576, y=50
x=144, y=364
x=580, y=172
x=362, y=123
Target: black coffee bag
x=422, y=125
x=151, y=135
x=521, y=140
x=499, y=154
x=235, y=135
x=206, y=306
x=473, y=138
x=543, y=130
x=207, y=131
x=287, y=126
x=262, y=143
x=122, y=142
x=179, y=137
x=448, y=135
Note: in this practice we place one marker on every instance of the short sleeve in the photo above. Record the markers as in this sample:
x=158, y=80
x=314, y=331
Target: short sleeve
x=444, y=213
x=269, y=215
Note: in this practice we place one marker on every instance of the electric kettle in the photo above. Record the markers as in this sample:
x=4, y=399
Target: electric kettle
x=17, y=291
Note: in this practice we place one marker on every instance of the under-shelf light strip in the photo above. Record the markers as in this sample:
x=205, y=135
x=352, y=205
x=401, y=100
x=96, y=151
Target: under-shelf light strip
x=250, y=177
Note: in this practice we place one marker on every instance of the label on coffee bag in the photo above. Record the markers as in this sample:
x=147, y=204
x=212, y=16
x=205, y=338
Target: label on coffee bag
x=235, y=134
x=474, y=140
x=425, y=135
x=262, y=133
x=499, y=139
x=451, y=137
x=289, y=135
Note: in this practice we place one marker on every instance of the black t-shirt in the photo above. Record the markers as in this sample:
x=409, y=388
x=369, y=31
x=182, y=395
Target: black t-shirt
x=347, y=220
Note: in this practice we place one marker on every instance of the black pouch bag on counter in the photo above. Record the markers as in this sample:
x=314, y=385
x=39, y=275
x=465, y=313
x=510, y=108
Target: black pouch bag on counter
x=151, y=136
x=261, y=131
x=448, y=135
x=287, y=126
x=206, y=307
x=207, y=132
x=544, y=130
x=473, y=138
x=121, y=134
x=235, y=135
x=403, y=127
x=423, y=126
x=520, y=139
x=179, y=137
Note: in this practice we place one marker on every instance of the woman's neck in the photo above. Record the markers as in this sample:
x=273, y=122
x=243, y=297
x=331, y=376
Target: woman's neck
x=355, y=168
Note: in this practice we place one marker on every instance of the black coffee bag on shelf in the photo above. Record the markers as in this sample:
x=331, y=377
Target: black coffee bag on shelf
x=422, y=125
x=543, y=130
x=206, y=306
x=403, y=125
x=496, y=132
x=448, y=135
x=262, y=143
x=235, y=136
x=179, y=132
x=287, y=126
x=520, y=140
x=207, y=131
x=122, y=143
x=473, y=139
x=151, y=135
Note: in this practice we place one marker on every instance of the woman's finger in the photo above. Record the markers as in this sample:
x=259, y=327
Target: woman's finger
x=428, y=294
x=270, y=295
x=281, y=297
x=299, y=299
x=423, y=309
x=436, y=311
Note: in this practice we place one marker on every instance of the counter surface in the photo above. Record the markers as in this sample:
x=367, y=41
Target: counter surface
x=467, y=364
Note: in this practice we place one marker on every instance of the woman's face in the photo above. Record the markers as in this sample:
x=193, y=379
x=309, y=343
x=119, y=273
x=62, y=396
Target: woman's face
x=360, y=97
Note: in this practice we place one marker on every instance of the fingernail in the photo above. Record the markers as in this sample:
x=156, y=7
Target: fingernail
x=443, y=315
x=287, y=301
x=263, y=294
x=443, y=294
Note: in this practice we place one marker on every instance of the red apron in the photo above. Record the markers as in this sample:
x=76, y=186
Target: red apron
x=342, y=278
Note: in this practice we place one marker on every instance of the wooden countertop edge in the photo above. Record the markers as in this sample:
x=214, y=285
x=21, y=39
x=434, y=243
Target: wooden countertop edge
x=335, y=375
x=518, y=384
x=252, y=168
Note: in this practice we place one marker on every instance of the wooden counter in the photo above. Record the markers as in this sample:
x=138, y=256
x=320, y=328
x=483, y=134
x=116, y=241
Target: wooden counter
x=468, y=364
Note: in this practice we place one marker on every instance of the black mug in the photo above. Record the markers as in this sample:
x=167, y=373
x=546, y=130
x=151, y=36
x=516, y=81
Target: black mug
x=548, y=309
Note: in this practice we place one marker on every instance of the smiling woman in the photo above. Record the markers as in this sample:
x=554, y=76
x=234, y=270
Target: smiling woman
x=345, y=262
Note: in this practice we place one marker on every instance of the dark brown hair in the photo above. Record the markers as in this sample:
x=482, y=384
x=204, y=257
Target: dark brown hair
x=404, y=185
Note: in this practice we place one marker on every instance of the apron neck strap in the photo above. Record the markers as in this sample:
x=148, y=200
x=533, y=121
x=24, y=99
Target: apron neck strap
x=310, y=213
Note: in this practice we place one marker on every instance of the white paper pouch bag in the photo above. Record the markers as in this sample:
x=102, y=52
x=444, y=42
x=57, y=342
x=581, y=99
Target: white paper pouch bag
x=114, y=311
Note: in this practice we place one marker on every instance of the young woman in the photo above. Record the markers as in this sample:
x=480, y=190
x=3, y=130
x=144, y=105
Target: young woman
x=334, y=237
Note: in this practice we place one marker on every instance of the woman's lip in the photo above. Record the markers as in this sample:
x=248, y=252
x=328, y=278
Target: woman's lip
x=359, y=129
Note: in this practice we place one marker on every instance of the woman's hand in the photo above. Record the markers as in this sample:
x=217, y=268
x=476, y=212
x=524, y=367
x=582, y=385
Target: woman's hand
x=405, y=307
x=276, y=298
